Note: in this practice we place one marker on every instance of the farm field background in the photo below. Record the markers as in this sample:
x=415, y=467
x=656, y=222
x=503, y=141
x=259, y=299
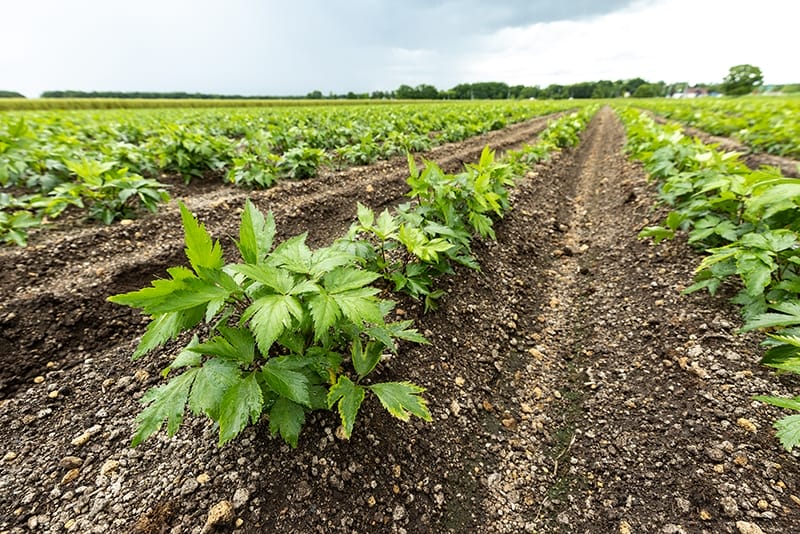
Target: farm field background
x=109, y=162
x=563, y=377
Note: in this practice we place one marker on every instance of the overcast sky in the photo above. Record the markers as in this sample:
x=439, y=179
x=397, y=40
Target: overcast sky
x=292, y=47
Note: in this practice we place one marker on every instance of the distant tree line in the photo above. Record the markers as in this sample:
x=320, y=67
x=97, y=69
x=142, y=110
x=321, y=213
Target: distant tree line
x=11, y=94
x=179, y=95
x=500, y=91
x=465, y=91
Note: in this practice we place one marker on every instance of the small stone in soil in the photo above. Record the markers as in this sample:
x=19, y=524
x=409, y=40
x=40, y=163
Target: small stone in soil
x=399, y=512
x=746, y=424
x=745, y=527
x=240, y=497
x=70, y=462
x=109, y=466
x=219, y=515
x=71, y=475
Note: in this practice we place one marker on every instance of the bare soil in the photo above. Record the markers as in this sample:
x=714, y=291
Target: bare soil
x=573, y=387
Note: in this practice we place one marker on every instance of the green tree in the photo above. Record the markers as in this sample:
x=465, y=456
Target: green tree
x=648, y=90
x=581, y=90
x=742, y=79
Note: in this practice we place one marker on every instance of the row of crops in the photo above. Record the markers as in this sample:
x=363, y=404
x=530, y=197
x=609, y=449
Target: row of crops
x=770, y=125
x=291, y=330
x=109, y=163
x=748, y=224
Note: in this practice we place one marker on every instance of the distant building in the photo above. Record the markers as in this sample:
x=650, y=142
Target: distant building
x=692, y=92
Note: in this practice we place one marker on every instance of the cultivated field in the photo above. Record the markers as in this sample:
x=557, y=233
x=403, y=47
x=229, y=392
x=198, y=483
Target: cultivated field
x=567, y=385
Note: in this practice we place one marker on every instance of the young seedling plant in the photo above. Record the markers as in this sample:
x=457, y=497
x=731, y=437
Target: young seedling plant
x=290, y=330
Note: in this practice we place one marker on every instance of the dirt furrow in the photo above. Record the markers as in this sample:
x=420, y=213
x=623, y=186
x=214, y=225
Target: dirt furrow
x=647, y=421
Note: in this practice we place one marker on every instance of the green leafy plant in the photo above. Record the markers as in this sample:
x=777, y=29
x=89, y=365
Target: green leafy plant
x=291, y=330
x=301, y=161
x=107, y=193
x=14, y=226
x=426, y=237
x=748, y=223
x=190, y=152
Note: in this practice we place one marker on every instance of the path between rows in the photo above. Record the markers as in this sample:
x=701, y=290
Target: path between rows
x=641, y=417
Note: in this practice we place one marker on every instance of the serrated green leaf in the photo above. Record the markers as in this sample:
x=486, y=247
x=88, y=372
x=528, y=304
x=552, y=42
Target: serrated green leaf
x=221, y=278
x=785, y=356
x=755, y=274
x=658, y=233
x=386, y=227
x=792, y=340
x=213, y=308
x=256, y=234
x=166, y=402
x=781, y=402
x=165, y=327
x=324, y=313
x=293, y=341
x=481, y=224
x=200, y=249
x=383, y=335
x=344, y=279
x=185, y=358
x=287, y=418
x=365, y=215
x=284, y=380
x=788, y=431
x=359, y=305
x=235, y=344
x=213, y=379
x=772, y=200
x=365, y=358
x=193, y=293
x=674, y=220
x=401, y=330
x=302, y=287
x=402, y=399
x=349, y=396
x=293, y=254
x=789, y=317
x=326, y=259
x=241, y=403
x=270, y=316
x=159, y=290
x=278, y=280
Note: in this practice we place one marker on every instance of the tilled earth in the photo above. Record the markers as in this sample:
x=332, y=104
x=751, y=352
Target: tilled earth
x=573, y=387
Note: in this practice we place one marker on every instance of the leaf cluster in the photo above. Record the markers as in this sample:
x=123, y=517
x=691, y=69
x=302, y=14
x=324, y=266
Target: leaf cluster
x=747, y=221
x=289, y=330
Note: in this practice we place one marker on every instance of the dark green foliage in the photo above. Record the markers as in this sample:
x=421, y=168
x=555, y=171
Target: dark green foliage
x=742, y=80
